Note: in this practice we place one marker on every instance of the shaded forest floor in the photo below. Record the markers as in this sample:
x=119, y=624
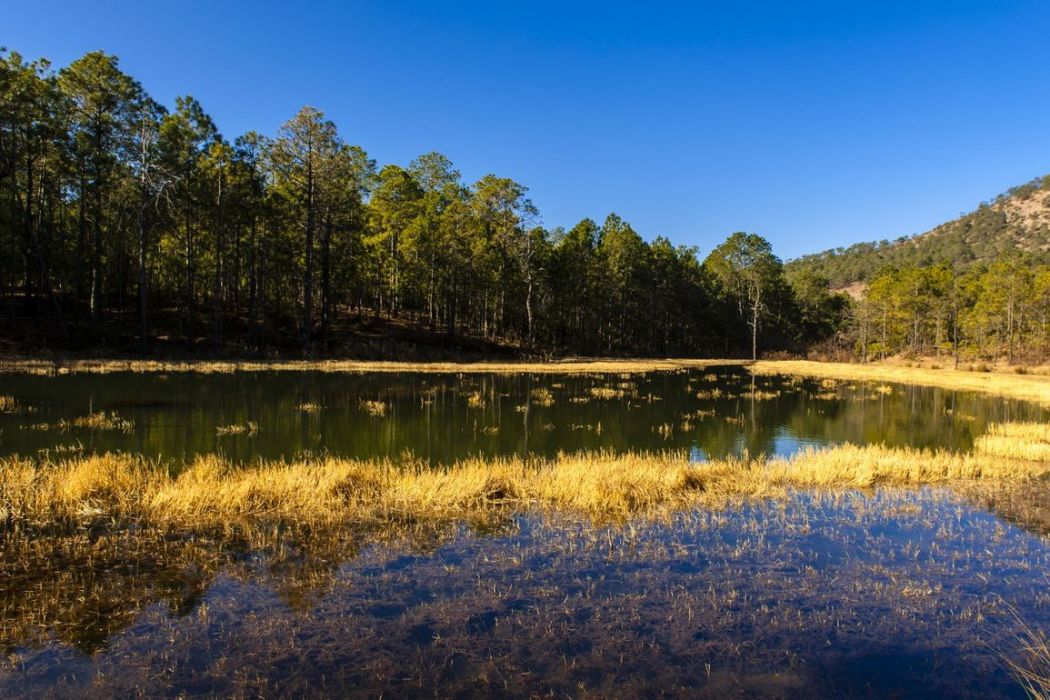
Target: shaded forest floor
x=361, y=336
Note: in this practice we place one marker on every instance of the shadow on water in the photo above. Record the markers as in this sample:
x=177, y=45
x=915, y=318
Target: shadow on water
x=902, y=593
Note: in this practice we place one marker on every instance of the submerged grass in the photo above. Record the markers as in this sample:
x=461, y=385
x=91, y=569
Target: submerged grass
x=212, y=491
x=1031, y=666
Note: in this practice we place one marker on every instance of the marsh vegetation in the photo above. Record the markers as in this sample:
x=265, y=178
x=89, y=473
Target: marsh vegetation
x=697, y=530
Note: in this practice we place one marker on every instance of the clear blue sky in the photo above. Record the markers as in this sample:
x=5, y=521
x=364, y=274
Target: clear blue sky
x=814, y=124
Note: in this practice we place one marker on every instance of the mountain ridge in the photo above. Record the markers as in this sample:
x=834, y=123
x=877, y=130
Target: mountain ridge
x=1017, y=220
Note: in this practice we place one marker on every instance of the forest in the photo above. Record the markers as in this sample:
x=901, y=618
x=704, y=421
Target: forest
x=992, y=310
x=130, y=226
x=125, y=224
x=1016, y=221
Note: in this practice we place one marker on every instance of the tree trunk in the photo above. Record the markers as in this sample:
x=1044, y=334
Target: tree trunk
x=308, y=271
x=326, y=277
x=142, y=281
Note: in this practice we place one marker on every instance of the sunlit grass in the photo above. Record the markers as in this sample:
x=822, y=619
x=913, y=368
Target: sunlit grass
x=246, y=428
x=542, y=397
x=101, y=420
x=1027, y=387
x=211, y=490
x=1029, y=441
x=760, y=395
x=373, y=407
x=623, y=367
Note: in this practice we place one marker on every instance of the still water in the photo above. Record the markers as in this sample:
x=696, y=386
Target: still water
x=714, y=412
x=885, y=593
x=890, y=594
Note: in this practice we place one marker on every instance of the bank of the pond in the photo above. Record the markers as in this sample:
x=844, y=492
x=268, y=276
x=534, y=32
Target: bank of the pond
x=1023, y=386
x=211, y=491
x=568, y=366
x=1026, y=387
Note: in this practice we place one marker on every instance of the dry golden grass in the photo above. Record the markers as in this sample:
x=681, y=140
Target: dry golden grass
x=1027, y=387
x=8, y=404
x=98, y=421
x=373, y=408
x=1032, y=667
x=760, y=395
x=1000, y=381
x=211, y=491
x=542, y=397
x=1029, y=441
x=611, y=366
x=247, y=428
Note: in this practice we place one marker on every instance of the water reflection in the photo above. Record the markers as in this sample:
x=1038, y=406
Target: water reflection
x=833, y=594
x=713, y=412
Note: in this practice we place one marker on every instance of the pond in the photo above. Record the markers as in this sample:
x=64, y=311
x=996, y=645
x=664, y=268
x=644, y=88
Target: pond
x=895, y=593
x=714, y=412
x=922, y=592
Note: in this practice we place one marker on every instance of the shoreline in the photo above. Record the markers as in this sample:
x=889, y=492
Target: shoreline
x=1025, y=385
x=566, y=366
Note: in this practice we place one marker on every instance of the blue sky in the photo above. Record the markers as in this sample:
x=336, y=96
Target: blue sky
x=814, y=124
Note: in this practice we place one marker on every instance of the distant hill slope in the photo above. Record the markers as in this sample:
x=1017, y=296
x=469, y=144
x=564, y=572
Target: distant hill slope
x=1018, y=219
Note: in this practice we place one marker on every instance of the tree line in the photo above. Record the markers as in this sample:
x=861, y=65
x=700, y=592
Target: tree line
x=125, y=223
x=1006, y=224
x=994, y=309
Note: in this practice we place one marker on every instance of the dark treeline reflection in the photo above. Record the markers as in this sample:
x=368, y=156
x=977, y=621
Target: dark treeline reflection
x=442, y=418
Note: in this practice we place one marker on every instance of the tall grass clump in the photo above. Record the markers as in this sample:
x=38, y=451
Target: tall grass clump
x=247, y=428
x=542, y=396
x=1029, y=441
x=1031, y=666
x=373, y=408
x=101, y=420
x=212, y=491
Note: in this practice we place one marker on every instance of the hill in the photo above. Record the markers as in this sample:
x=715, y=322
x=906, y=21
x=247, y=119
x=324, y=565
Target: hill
x=1016, y=220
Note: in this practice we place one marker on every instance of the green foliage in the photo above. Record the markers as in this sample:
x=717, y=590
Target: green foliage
x=994, y=229
x=122, y=220
x=996, y=309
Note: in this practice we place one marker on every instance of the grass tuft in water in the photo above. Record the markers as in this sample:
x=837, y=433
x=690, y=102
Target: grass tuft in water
x=247, y=428
x=99, y=421
x=373, y=408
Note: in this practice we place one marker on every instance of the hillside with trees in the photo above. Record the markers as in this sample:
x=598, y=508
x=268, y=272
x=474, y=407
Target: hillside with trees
x=973, y=289
x=131, y=226
x=1018, y=220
